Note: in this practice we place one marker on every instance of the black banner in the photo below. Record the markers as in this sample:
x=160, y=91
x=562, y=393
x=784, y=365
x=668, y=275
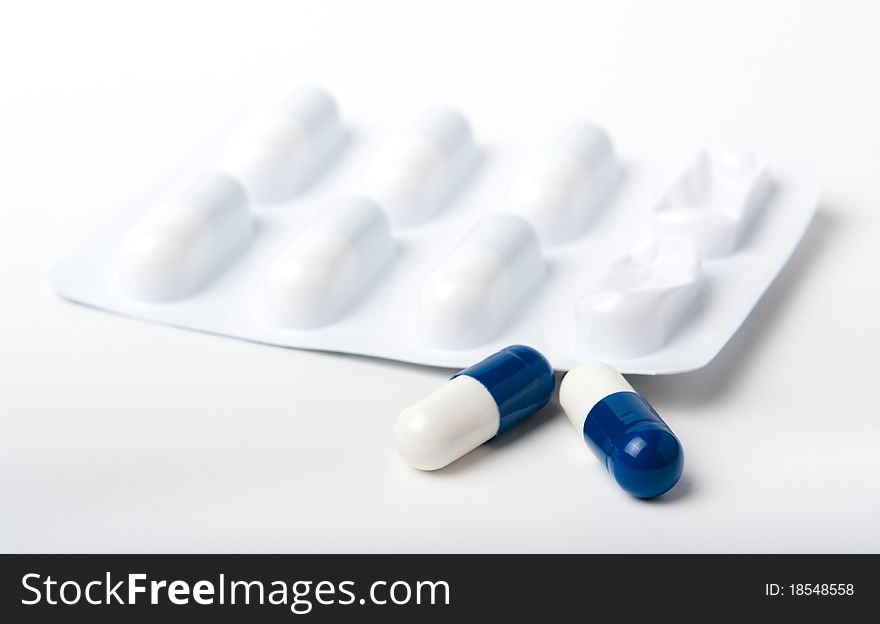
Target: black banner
x=431, y=588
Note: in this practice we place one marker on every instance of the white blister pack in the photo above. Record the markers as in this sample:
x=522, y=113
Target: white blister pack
x=420, y=244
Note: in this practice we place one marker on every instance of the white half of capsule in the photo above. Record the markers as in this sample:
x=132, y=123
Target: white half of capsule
x=283, y=148
x=584, y=386
x=634, y=307
x=486, y=280
x=331, y=266
x=564, y=185
x=416, y=174
x=186, y=241
x=447, y=424
x=714, y=200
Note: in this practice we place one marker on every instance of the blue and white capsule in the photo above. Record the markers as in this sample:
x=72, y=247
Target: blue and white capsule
x=622, y=429
x=474, y=406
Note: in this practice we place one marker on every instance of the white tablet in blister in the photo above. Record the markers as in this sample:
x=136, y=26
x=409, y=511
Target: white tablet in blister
x=294, y=228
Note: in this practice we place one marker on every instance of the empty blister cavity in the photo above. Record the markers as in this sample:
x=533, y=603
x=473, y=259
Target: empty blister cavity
x=566, y=183
x=331, y=266
x=419, y=171
x=714, y=200
x=281, y=149
x=186, y=241
x=635, y=306
x=487, y=279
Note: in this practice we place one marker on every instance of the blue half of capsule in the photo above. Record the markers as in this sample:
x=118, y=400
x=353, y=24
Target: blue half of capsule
x=636, y=446
x=519, y=379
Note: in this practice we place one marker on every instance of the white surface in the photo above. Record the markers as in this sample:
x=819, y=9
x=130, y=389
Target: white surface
x=125, y=436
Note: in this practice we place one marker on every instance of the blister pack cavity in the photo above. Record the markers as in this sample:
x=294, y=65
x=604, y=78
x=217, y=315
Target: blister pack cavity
x=425, y=242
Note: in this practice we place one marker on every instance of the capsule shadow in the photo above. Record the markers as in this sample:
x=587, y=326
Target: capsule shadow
x=685, y=488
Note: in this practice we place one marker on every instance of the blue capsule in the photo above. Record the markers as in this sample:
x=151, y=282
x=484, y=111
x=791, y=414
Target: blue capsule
x=622, y=429
x=474, y=406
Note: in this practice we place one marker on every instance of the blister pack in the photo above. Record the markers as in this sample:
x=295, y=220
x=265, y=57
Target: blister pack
x=421, y=244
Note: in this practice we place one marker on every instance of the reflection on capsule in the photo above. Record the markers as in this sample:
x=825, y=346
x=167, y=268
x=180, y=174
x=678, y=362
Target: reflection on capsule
x=622, y=430
x=474, y=406
x=420, y=170
x=186, y=241
x=486, y=280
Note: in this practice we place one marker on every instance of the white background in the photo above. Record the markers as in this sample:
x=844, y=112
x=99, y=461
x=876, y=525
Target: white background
x=117, y=435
